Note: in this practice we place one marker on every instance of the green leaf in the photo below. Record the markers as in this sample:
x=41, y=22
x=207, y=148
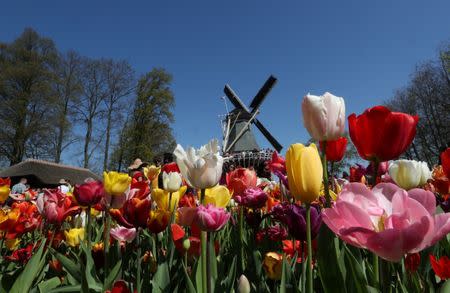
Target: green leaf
x=162, y=276
x=445, y=287
x=190, y=285
x=359, y=279
x=330, y=262
x=283, y=276
x=48, y=285
x=90, y=273
x=198, y=275
x=30, y=272
x=71, y=267
x=113, y=274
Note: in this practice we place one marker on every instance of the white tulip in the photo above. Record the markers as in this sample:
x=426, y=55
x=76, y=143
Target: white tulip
x=243, y=285
x=409, y=174
x=200, y=168
x=172, y=181
x=324, y=116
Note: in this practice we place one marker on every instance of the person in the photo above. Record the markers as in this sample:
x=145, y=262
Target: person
x=137, y=166
x=63, y=186
x=20, y=187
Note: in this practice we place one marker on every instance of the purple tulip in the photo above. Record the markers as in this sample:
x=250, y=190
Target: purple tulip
x=294, y=217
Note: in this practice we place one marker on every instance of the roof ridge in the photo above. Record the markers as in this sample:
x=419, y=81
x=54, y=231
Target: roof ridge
x=54, y=164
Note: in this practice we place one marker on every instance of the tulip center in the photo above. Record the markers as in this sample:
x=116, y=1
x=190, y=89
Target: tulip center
x=380, y=224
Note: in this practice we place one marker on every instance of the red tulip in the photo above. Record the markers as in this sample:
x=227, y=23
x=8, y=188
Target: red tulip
x=134, y=213
x=89, y=193
x=445, y=162
x=241, y=179
x=441, y=267
x=382, y=135
x=335, y=149
x=412, y=262
x=278, y=163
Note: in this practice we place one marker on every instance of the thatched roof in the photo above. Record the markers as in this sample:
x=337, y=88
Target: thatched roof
x=42, y=173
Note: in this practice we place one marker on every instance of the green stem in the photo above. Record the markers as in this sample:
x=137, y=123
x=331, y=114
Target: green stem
x=139, y=251
x=308, y=239
x=375, y=264
x=208, y=262
x=204, y=243
x=106, y=244
x=303, y=266
x=241, y=237
x=325, y=175
x=88, y=230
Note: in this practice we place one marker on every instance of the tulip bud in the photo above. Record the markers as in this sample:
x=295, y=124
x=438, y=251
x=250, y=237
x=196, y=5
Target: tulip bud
x=243, y=285
x=172, y=181
x=324, y=116
x=409, y=174
x=186, y=244
x=115, y=183
x=305, y=173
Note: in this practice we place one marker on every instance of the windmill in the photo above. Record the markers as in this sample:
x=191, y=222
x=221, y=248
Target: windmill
x=239, y=144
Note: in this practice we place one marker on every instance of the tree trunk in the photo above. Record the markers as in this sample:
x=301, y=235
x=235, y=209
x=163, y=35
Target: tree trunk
x=87, y=141
x=108, y=134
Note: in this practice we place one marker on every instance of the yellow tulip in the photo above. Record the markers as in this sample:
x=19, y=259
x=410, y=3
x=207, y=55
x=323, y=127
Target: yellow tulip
x=8, y=218
x=4, y=193
x=12, y=244
x=161, y=197
x=74, y=236
x=219, y=196
x=116, y=183
x=273, y=264
x=305, y=173
x=152, y=172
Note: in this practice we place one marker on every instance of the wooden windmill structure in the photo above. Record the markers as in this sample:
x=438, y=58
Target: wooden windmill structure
x=239, y=144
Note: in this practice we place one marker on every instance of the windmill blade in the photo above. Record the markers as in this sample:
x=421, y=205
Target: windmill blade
x=234, y=99
x=262, y=93
x=269, y=136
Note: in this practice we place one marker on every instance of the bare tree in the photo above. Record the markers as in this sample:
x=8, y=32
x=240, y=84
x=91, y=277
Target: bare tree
x=88, y=109
x=68, y=90
x=120, y=83
x=427, y=95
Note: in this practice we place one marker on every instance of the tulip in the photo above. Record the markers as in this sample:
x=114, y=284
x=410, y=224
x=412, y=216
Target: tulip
x=158, y=220
x=441, y=267
x=119, y=287
x=152, y=172
x=172, y=181
x=357, y=173
x=324, y=116
x=243, y=285
x=200, y=168
x=294, y=217
x=12, y=244
x=254, y=198
x=278, y=163
x=74, y=236
x=335, y=149
x=56, y=206
x=445, y=162
x=161, y=197
x=240, y=179
x=219, y=196
x=89, y=193
x=387, y=220
x=123, y=234
x=273, y=265
x=134, y=213
x=409, y=174
x=305, y=173
x=22, y=255
x=412, y=262
x=116, y=183
x=381, y=135
x=210, y=218
x=4, y=189
x=274, y=233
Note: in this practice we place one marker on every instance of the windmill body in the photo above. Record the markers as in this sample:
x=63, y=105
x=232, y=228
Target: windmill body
x=240, y=148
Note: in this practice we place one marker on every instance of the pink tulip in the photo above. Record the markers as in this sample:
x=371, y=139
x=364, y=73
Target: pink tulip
x=123, y=234
x=387, y=220
x=56, y=206
x=210, y=218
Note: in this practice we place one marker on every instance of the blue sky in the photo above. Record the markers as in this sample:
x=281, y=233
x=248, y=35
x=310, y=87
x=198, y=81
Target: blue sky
x=360, y=50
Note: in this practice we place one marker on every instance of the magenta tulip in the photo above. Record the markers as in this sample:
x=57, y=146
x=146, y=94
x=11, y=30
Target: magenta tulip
x=210, y=218
x=254, y=198
x=387, y=220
